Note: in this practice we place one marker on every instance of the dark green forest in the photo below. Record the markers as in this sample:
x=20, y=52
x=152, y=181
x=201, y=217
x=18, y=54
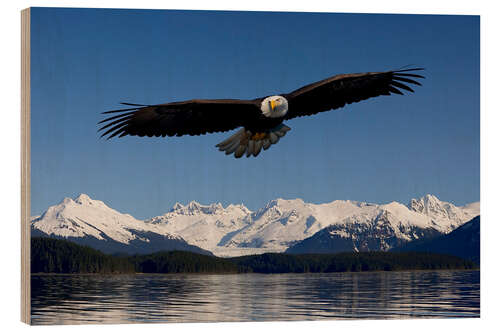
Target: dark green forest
x=59, y=256
x=49, y=255
x=181, y=262
x=349, y=262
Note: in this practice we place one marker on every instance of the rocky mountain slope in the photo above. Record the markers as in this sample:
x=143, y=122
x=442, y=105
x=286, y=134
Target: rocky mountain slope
x=462, y=242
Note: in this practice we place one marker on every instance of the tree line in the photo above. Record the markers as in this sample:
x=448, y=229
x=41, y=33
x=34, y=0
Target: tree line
x=349, y=262
x=50, y=255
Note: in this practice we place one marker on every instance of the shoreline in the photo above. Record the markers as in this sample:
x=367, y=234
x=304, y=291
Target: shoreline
x=260, y=273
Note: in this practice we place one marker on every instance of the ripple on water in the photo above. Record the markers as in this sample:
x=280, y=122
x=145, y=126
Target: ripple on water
x=74, y=299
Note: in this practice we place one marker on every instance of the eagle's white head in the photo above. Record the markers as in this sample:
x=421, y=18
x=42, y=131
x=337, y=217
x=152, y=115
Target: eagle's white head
x=274, y=106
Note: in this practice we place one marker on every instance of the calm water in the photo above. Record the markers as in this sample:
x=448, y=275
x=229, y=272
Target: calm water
x=76, y=299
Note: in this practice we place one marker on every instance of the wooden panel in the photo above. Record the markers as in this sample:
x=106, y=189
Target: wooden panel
x=25, y=167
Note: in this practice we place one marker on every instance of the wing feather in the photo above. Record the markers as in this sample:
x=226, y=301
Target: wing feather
x=192, y=117
x=337, y=91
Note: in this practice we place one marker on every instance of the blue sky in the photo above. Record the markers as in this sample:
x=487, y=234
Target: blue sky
x=86, y=61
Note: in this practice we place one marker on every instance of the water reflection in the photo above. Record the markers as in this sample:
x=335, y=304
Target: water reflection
x=74, y=299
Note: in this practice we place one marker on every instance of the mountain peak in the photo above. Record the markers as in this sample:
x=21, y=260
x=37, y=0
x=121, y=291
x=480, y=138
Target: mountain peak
x=442, y=211
x=176, y=206
x=83, y=199
x=425, y=204
x=284, y=202
x=85, y=217
x=195, y=207
x=192, y=206
x=430, y=198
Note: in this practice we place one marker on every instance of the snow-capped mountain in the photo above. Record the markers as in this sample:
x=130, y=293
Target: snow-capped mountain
x=235, y=230
x=204, y=226
x=442, y=213
x=380, y=229
x=388, y=226
x=91, y=222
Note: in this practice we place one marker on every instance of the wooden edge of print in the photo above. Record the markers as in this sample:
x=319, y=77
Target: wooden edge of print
x=25, y=167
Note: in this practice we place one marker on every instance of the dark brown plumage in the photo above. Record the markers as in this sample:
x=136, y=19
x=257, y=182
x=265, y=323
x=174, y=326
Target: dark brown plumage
x=202, y=116
x=193, y=117
x=337, y=91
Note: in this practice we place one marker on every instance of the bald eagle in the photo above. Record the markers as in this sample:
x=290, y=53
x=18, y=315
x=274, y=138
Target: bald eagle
x=260, y=119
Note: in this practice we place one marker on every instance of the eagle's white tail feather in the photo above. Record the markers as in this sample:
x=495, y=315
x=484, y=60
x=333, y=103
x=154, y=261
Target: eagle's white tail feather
x=266, y=144
x=232, y=147
x=245, y=142
x=250, y=147
x=274, y=138
x=224, y=144
x=240, y=151
x=258, y=147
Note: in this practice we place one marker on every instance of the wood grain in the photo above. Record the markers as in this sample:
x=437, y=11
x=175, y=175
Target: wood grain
x=25, y=167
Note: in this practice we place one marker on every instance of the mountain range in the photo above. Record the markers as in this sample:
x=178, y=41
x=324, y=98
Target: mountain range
x=235, y=230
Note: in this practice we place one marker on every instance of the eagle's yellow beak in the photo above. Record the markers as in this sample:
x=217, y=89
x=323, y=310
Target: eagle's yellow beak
x=273, y=104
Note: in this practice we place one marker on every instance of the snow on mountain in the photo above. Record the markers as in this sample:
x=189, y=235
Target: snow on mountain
x=388, y=226
x=91, y=222
x=86, y=217
x=204, y=226
x=462, y=242
x=444, y=214
x=282, y=223
x=378, y=229
x=235, y=230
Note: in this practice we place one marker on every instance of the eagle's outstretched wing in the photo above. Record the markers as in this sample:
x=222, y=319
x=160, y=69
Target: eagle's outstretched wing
x=339, y=90
x=193, y=117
